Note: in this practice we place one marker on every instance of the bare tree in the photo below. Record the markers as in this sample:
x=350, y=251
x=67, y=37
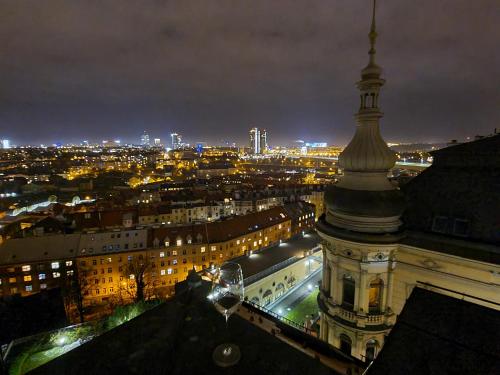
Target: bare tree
x=138, y=271
x=74, y=289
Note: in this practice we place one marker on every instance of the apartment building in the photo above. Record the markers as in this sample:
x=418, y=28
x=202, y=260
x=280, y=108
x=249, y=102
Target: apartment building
x=101, y=258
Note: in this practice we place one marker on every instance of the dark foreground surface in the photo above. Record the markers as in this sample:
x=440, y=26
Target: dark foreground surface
x=178, y=337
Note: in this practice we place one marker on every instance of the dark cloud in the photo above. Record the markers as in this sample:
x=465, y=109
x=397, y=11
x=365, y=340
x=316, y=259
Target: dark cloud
x=76, y=70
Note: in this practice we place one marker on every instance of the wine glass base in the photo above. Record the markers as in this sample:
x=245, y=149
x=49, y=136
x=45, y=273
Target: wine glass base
x=226, y=355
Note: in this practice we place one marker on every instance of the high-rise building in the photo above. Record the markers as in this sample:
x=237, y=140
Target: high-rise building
x=176, y=141
x=157, y=142
x=258, y=140
x=5, y=143
x=145, y=139
x=263, y=141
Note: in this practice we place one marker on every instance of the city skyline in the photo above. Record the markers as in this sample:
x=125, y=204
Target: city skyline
x=200, y=69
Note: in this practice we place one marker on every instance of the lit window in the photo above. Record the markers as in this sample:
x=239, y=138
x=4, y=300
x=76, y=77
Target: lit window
x=174, y=252
x=255, y=243
x=41, y=276
x=54, y=265
x=43, y=286
x=29, y=288
x=109, y=260
x=69, y=263
x=70, y=273
x=169, y=271
x=12, y=280
x=55, y=275
x=26, y=268
x=129, y=258
x=213, y=248
x=279, y=226
x=238, y=242
x=27, y=278
x=162, y=272
x=202, y=249
x=167, y=243
x=174, y=261
x=131, y=277
x=162, y=255
x=179, y=242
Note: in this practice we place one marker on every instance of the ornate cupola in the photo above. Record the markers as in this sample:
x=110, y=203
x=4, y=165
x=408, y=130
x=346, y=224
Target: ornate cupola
x=364, y=200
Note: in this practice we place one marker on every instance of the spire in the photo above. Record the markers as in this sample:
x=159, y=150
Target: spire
x=366, y=162
x=373, y=36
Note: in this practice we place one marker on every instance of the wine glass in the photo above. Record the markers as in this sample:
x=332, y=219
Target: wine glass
x=227, y=295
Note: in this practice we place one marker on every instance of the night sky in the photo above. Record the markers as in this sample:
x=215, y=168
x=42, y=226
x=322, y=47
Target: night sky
x=75, y=70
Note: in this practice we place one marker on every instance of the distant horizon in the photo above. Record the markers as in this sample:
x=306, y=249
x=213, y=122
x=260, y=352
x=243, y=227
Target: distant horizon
x=104, y=70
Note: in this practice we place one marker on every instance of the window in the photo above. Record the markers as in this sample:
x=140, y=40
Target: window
x=13, y=290
x=110, y=269
x=371, y=350
x=213, y=248
x=55, y=275
x=461, y=227
x=440, y=224
x=131, y=276
x=129, y=258
x=202, y=249
x=26, y=268
x=70, y=273
x=43, y=286
x=348, y=290
x=69, y=263
x=179, y=242
x=12, y=280
x=174, y=261
x=94, y=262
x=162, y=272
x=55, y=265
x=174, y=253
x=162, y=254
x=375, y=295
x=345, y=344
x=169, y=271
x=27, y=278
x=29, y=288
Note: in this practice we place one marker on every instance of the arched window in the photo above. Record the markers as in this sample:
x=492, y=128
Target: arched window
x=267, y=297
x=348, y=290
x=345, y=344
x=371, y=350
x=255, y=300
x=280, y=290
x=375, y=295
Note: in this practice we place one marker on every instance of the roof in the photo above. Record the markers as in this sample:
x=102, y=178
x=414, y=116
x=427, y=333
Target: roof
x=178, y=337
x=438, y=334
x=458, y=195
x=274, y=255
x=224, y=230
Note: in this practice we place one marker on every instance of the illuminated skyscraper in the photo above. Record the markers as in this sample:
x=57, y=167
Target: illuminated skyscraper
x=258, y=140
x=145, y=139
x=176, y=141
